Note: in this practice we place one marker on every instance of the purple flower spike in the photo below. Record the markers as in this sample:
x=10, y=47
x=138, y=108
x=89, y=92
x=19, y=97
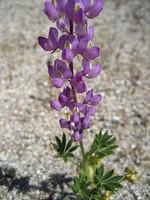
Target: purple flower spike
x=59, y=73
x=50, y=43
x=50, y=11
x=70, y=17
x=78, y=82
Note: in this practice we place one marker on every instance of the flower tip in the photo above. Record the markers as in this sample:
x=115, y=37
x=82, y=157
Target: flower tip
x=50, y=11
x=55, y=105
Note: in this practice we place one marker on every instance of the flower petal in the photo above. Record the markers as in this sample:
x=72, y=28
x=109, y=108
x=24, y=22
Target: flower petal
x=50, y=70
x=44, y=43
x=91, y=110
x=50, y=11
x=56, y=105
x=74, y=118
x=94, y=10
x=67, y=74
x=86, y=66
x=80, y=17
x=86, y=122
x=70, y=8
x=57, y=82
x=67, y=54
x=91, y=53
x=95, y=71
x=53, y=36
x=81, y=87
x=91, y=32
x=62, y=40
x=61, y=5
x=77, y=136
x=64, y=123
x=63, y=24
x=89, y=96
x=87, y=4
x=62, y=98
x=81, y=30
x=96, y=99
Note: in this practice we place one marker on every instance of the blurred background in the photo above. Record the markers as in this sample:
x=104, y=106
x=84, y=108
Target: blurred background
x=28, y=167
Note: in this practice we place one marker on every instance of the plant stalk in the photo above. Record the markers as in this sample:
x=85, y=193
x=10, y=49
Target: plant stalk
x=82, y=149
x=73, y=89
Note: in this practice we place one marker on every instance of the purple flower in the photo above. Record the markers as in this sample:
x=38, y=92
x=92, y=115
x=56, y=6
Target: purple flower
x=92, y=8
x=54, y=12
x=86, y=49
x=74, y=117
x=65, y=124
x=50, y=43
x=82, y=31
x=68, y=44
x=90, y=72
x=75, y=11
x=77, y=136
x=65, y=98
x=59, y=73
x=78, y=82
x=50, y=11
x=63, y=24
x=90, y=99
x=86, y=122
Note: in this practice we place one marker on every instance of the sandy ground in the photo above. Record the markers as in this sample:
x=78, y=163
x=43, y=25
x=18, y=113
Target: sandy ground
x=27, y=124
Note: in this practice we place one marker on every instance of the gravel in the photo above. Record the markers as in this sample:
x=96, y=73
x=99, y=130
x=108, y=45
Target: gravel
x=28, y=166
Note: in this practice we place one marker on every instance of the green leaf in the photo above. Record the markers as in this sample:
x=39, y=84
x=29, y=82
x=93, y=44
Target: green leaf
x=63, y=148
x=73, y=148
x=103, y=145
x=108, y=174
x=55, y=147
x=63, y=143
x=58, y=142
x=69, y=144
x=107, y=181
x=100, y=171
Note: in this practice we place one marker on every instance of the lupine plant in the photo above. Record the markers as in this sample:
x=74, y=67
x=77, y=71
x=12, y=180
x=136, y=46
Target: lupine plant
x=92, y=181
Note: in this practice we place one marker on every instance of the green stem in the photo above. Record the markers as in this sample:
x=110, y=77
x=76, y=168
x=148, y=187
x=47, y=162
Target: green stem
x=82, y=149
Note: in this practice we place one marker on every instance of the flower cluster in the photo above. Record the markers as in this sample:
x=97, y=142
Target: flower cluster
x=76, y=40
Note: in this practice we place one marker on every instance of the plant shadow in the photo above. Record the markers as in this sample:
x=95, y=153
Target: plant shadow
x=49, y=186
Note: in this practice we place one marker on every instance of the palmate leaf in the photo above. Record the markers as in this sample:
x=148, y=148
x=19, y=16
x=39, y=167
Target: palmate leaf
x=103, y=145
x=107, y=181
x=64, y=149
